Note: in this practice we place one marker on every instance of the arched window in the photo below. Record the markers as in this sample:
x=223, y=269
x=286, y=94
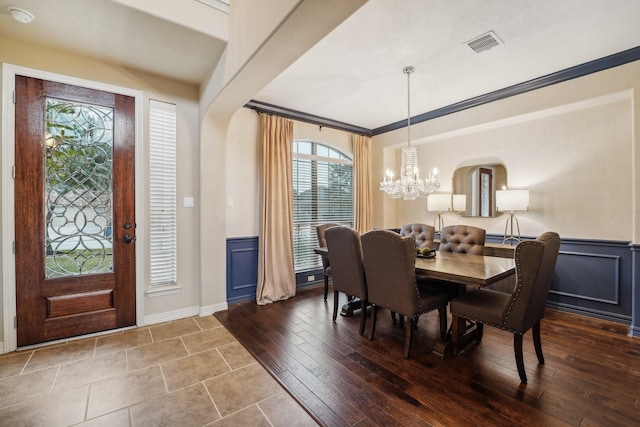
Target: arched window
x=322, y=192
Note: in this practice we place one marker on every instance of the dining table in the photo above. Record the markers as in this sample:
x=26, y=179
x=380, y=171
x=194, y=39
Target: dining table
x=460, y=270
x=463, y=270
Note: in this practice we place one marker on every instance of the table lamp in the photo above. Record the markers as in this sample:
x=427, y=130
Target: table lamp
x=459, y=203
x=512, y=201
x=439, y=203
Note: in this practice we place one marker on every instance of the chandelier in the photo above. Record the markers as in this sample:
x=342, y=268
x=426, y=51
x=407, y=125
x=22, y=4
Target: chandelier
x=409, y=186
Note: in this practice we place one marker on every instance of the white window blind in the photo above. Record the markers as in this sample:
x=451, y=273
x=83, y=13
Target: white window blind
x=322, y=193
x=162, y=193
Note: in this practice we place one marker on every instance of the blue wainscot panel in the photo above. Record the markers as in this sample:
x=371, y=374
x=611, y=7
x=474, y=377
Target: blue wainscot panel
x=594, y=278
x=242, y=269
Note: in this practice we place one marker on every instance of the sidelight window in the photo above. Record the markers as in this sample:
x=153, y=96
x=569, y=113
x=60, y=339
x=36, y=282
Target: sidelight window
x=162, y=193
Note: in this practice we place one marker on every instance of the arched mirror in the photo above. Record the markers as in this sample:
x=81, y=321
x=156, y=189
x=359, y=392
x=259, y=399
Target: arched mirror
x=478, y=183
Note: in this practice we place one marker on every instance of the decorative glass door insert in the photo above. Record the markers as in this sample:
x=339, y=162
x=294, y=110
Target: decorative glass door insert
x=78, y=185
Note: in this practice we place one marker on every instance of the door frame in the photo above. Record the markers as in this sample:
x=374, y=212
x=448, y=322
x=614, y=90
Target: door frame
x=9, y=72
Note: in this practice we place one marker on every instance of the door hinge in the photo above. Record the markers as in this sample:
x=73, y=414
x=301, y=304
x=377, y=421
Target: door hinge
x=13, y=172
x=14, y=96
x=14, y=247
x=15, y=322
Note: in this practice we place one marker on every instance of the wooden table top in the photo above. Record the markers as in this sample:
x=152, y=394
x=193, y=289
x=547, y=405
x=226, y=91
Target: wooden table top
x=461, y=268
x=467, y=269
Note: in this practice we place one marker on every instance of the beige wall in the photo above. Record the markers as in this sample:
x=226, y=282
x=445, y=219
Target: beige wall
x=263, y=41
x=571, y=144
x=153, y=87
x=243, y=166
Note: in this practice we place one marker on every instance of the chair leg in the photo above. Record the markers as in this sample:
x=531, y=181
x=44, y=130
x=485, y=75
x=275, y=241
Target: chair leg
x=401, y=320
x=407, y=338
x=393, y=317
x=326, y=286
x=363, y=319
x=335, y=305
x=374, y=314
x=537, y=343
x=443, y=322
x=517, y=347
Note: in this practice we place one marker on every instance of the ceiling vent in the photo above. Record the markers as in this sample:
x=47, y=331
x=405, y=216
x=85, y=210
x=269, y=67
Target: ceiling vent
x=484, y=42
x=221, y=5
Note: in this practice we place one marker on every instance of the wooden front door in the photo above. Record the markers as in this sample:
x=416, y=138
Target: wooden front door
x=74, y=210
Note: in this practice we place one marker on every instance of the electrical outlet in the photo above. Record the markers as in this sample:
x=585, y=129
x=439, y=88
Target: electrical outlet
x=311, y=278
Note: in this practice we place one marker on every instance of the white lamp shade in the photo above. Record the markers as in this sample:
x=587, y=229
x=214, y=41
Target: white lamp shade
x=439, y=202
x=512, y=200
x=459, y=202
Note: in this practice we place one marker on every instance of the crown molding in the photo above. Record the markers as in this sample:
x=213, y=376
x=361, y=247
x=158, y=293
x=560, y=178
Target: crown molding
x=594, y=66
x=263, y=107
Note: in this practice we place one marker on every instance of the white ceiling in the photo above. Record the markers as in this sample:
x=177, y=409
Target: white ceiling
x=112, y=32
x=355, y=74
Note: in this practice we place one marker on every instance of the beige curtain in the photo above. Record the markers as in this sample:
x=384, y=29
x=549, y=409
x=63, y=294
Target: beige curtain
x=276, y=275
x=363, y=203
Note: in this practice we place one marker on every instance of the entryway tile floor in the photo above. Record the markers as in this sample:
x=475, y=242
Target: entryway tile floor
x=189, y=372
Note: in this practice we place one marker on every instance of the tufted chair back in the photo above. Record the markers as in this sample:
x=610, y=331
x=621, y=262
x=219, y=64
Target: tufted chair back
x=462, y=238
x=422, y=233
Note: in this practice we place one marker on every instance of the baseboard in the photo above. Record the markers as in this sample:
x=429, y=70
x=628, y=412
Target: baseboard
x=589, y=321
x=210, y=309
x=183, y=313
x=589, y=312
x=168, y=316
x=634, y=331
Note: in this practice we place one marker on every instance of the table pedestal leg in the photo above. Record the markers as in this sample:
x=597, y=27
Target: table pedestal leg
x=352, y=304
x=460, y=334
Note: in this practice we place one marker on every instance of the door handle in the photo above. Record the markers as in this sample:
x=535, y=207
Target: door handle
x=128, y=238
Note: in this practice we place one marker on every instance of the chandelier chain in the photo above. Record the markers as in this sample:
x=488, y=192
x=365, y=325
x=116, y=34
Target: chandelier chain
x=408, y=71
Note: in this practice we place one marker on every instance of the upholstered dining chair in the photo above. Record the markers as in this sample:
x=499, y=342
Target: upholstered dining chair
x=326, y=266
x=422, y=233
x=424, y=236
x=347, y=268
x=462, y=238
x=517, y=312
x=389, y=265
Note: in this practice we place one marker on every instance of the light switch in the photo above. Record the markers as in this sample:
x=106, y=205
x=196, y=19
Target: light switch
x=230, y=202
x=187, y=202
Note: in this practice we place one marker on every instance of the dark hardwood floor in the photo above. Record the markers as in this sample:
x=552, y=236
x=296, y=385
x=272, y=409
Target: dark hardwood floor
x=591, y=376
